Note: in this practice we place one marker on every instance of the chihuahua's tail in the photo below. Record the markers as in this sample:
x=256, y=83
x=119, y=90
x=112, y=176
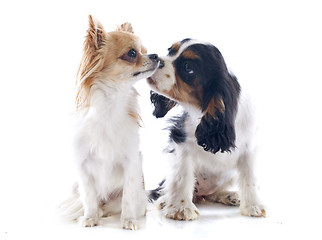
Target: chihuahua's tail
x=72, y=208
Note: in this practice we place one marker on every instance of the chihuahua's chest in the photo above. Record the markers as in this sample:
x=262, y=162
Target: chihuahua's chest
x=106, y=127
x=109, y=131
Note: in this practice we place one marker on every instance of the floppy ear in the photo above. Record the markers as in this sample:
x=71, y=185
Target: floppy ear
x=162, y=105
x=125, y=27
x=216, y=130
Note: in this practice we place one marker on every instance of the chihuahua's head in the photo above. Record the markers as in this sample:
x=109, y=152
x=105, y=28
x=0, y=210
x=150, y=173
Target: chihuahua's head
x=116, y=57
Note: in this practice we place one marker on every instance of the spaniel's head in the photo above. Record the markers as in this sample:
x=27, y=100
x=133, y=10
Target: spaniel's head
x=194, y=74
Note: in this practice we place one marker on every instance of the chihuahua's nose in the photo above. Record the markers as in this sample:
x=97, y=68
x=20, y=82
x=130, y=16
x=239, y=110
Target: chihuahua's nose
x=154, y=57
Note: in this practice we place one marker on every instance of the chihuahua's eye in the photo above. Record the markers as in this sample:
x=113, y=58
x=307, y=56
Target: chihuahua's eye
x=132, y=53
x=187, y=68
x=130, y=56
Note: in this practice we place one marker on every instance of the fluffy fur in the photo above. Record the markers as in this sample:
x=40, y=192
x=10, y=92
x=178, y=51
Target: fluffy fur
x=106, y=141
x=212, y=143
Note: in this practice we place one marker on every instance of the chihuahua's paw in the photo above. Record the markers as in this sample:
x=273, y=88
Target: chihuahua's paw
x=130, y=224
x=253, y=210
x=181, y=211
x=88, y=222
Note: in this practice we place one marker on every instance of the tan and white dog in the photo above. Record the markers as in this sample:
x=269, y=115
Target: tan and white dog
x=106, y=140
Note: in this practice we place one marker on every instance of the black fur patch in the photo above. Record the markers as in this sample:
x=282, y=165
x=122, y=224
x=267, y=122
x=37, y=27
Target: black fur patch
x=215, y=134
x=177, y=131
x=185, y=40
x=156, y=193
x=208, y=71
x=161, y=104
x=173, y=51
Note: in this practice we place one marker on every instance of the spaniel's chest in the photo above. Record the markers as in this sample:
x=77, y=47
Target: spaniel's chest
x=215, y=163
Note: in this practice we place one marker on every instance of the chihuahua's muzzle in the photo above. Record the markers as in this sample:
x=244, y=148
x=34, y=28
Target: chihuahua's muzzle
x=150, y=65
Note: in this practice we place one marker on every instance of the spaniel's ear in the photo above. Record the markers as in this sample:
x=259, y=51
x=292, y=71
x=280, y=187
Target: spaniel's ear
x=216, y=130
x=162, y=105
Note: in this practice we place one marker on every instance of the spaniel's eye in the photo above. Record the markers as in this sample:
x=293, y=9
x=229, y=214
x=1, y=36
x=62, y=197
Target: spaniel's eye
x=132, y=53
x=188, y=69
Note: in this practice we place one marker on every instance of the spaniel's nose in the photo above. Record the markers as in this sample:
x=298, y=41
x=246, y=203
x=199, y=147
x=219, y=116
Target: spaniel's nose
x=154, y=57
x=161, y=65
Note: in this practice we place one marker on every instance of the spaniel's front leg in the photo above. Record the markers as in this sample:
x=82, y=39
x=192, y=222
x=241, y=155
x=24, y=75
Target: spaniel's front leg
x=249, y=201
x=176, y=202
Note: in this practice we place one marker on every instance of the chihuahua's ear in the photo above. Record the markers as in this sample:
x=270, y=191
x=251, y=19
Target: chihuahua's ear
x=96, y=35
x=216, y=130
x=92, y=60
x=162, y=105
x=125, y=27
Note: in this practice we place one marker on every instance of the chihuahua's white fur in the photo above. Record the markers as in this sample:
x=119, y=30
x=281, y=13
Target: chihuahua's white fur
x=107, y=153
x=106, y=144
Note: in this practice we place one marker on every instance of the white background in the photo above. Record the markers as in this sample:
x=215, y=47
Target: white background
x=274, y=48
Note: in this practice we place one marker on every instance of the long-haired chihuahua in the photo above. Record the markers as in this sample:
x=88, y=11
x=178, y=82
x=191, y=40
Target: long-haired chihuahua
x=106, y=139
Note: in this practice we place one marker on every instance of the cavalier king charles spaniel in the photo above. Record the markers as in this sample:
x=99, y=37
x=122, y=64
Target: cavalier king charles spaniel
x=212, y=143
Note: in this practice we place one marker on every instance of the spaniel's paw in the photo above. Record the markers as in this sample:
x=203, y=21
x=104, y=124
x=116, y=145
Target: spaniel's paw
x=130, y=224
x=88, y=222
x=181, y=211
x=227, y=198
x=253, y=210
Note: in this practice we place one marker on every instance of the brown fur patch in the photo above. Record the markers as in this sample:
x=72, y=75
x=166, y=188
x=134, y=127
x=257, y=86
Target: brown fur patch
x=215, y=105
x=183, y=92
x=133, y=113
x=143, y=183
x=162, y=205
x=188, y=54
x=120, y=43
x=127, y=27
x=176, y=46
x=136, y=117
x=193, y=94
x=178, y=216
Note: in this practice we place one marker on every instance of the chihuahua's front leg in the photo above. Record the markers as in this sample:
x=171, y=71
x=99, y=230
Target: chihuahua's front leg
x=134, y=197
x=89, y=199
